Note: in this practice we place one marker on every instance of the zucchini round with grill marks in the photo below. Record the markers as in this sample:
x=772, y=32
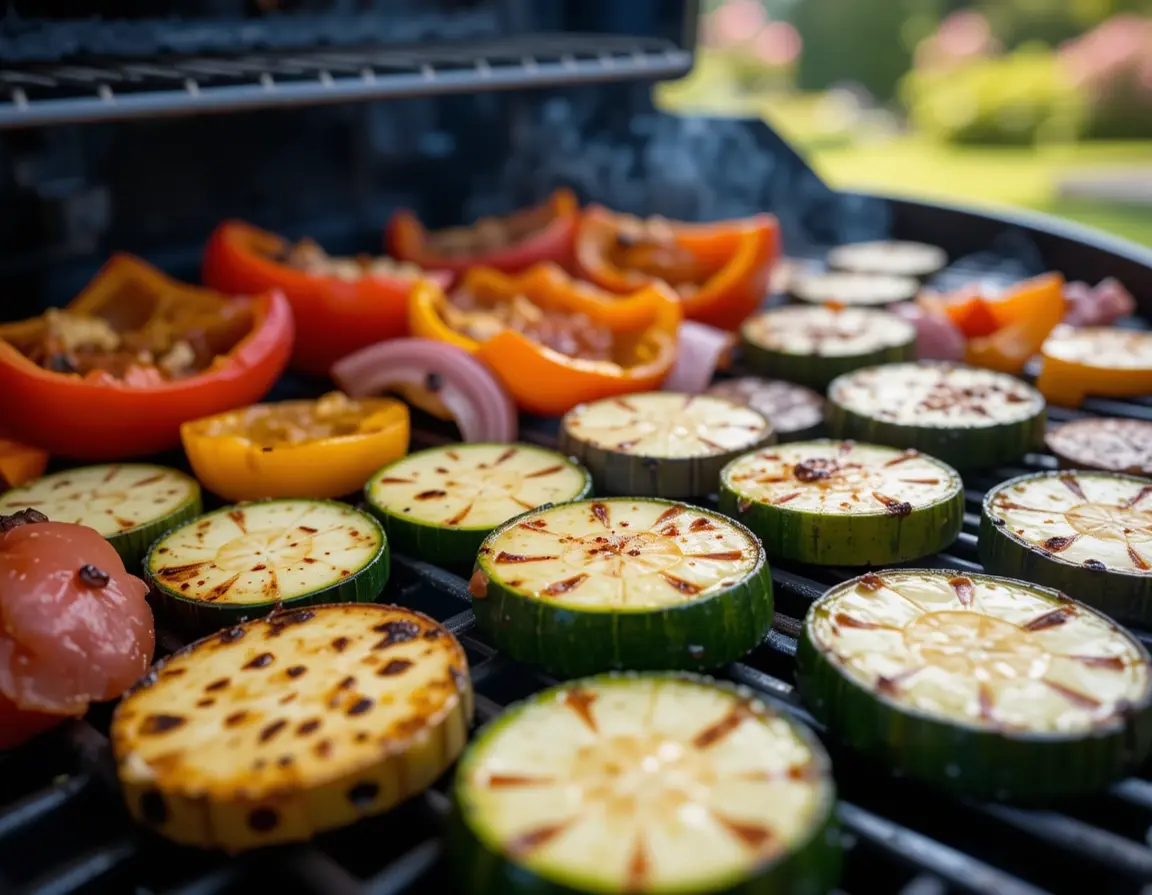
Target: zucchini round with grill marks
x=1115, y=445
x=842, y=503
x=284, y=727
x=896, y=258
x=252, y=558
x=624, y=583
x=660, y=444
x=980, y=685
x=644, y=783
x=794, y=412
x=814, y=345
x=130, y=504
x=1088, y=534
x=853, y=289
x=967, y=417
x=440, y=504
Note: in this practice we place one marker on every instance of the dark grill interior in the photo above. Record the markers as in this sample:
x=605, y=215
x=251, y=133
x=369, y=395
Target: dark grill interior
x=63, y=829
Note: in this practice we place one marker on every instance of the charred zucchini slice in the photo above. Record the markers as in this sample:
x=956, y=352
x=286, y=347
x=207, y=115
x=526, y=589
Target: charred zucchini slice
x=644, y=783
x=842, y=503
x=1088, y=534
x=625, y=583
x=980, y=685
x=252, y=558
x=280, y=728
x=440, y=504
x=1114, y=445
x=895, y=258
x=660, y=444
x=967, y=417
x=794, y=412
x=870, y=290
x=814, y=345
x=130, y=504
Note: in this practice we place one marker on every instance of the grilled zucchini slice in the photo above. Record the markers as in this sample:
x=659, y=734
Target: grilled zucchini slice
x=853, y=289
x=440, y=504
x=660, y=444
x=625, y=583
x=1114, y=445
x=967, y=417
x=842, y=503
x=814, y=345
x=644, y=783
x=130, y=504
x=889, y=258
x=794, y=412
x=984, y=686
x=1088, y=534
x=280, y=728
x=249, y=559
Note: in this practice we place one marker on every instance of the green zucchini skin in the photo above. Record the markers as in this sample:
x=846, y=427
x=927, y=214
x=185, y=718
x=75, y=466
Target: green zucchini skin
x=198, y=618
x=133, y=546
x=813, y=867
x=813, y=370
x=965, y=760
x=695, y=636
x=963, y=449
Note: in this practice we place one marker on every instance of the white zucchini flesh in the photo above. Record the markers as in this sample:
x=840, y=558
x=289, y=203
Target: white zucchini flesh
x=1082, y=518
x=980, y=651
x=642, y=785
x=841, y=478
x=854, y=288
x=1101, y=346
x=266, y=551
x=111, y=499
x=282, y=727
x=621, y=555
x=913, y=259
x=667, y=425
x=477, y=486
x=934, y=395
x=826, y=332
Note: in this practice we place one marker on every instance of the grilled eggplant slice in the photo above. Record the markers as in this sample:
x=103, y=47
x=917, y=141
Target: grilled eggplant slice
x=967, y=417
x=794, y=412
x=440, y=504
x=980, y=685
x=624, y=583
x=644, y=783
x=130, y=504
x=903, y=259
x=842, y=503
x=280, y=728
x=253, y=558
x=814, y=345
x=1113, y=445
x=660, y=444
x=852, y=289
x=1088, y=534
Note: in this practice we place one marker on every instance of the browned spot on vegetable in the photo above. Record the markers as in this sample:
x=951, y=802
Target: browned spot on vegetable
x=503, y=557
x=360, y=706
x=965, y=589
x=717, y=731
x=261, y=661
x=1113, y=663
x=562, y=587
x=1049, y=620
x=396, y=666
x=732, y=555
x=507, y=781
x=307, y=727
x=1095, y=565
x=431, y=494
x=1070, y=482
x=363, y=793
x=263, y=820
x=218, y=684
x=222, y=588
x=550, y=470
x=112, y=472
x=346, y=683
x=870, y=582
x=779, y=500
x=272, y=729
x=1137, y=560
x=814, y=470
x=684, y=587
x=625, y=404
x=523, y=845
x=237, y=516
x=1057, y=544
x=670, y=531
x=93, y=577
x=392, y=480
x=671, y=513
x=176, y=574
x=847, y=621
x=205, y=703
x=507, y=455
x=701, y=524
x=904, y=457
x=307, y=529
x=174, y=672
x=580, y=701
x=400, y=631
x=1144, y=492
x=892, y=506
x=157, y=724
x=235, y=718
x=323, y=748
x=921, y=481
x=639, y=867
x=459, y=517
x=891, y=685
x=452, y=455
x=985, y=701
x=600, y=511
x=753, y=836
x=296, y=671
x=340, y=644
x=259, y=568
x=288, y=697
x=478, y=585
x=1081, y=700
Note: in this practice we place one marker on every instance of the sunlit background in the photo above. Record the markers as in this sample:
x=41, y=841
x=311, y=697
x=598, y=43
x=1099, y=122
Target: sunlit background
x=1045, y=104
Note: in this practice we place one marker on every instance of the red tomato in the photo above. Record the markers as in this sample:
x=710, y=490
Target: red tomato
x=75, y=627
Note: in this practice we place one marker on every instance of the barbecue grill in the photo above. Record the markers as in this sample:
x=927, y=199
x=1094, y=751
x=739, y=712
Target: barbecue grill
x=557, y=93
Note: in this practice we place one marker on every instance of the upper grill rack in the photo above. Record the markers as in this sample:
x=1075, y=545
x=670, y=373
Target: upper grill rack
x=107, y=88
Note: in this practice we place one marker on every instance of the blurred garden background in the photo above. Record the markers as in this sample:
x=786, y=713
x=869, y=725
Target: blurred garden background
x=1045, y=104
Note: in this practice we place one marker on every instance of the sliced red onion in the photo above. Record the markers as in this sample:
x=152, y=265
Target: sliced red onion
x=937, y=337
x=451, y=376
x=1100, y=305
x=701, y=351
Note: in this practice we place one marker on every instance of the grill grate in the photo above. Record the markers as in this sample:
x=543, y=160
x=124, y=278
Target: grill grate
x=63, y=830
x=36, y=94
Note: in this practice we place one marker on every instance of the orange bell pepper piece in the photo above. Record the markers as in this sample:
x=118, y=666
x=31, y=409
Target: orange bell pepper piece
x=971, y=314
x=721, y=271
x=1024, y=316
x=1105, y=361
x=542, y=380
x=20, y=463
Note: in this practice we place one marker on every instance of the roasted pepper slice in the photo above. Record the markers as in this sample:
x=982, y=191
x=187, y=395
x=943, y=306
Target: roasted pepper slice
x=115, y=373
x=1105, y=361
x=970, y=312
x=511, y=243
x=324, y=448
x=552, y=341
x=20, y=463
x=720, y=271
x=1024, y=316
x=342, y=304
